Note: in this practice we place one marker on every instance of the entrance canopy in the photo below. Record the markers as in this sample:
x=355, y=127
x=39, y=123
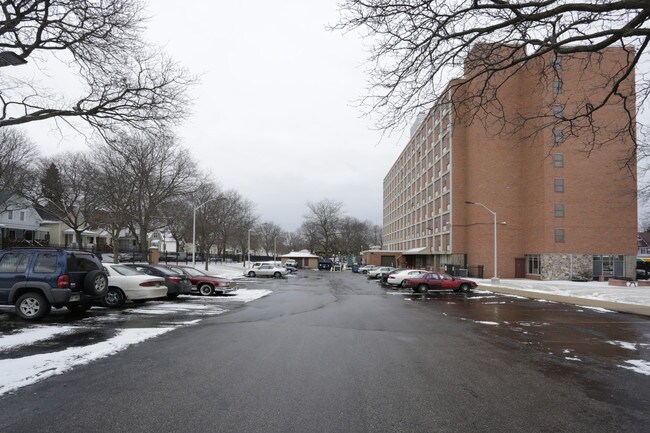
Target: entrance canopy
x=416, y=251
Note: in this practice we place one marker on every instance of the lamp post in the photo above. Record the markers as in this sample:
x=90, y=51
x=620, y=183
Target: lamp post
x=249, y=245
x=9, y=58
x=194, y=226
x=275, y=248
x=495, y=277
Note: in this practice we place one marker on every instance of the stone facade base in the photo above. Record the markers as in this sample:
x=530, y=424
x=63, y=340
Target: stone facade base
x=578, y=267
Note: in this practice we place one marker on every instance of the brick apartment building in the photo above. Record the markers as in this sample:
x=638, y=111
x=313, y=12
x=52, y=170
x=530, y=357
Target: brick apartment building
x=562, y=212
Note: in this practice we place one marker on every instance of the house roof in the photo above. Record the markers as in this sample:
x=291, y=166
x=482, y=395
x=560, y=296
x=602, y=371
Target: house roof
x=644, y=239
x=304, y=254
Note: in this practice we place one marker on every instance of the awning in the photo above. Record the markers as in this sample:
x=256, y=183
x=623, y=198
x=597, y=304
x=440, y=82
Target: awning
x=643, y=259
x=416, y=251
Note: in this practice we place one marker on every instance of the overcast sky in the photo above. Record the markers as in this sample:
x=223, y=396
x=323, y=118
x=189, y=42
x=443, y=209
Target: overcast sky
x=275, y=115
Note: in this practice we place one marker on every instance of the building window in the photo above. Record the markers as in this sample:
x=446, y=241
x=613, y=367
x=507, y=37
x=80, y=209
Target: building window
x=559, y=235
x=558, y=110
x=557, y=86
x=558, y=160
x=559, y=210
x=10, y=214
x=559, y=185
x=22, y=215
x=532, y=264
x=558, y=136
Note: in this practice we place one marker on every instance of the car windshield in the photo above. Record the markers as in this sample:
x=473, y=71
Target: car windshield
x=194, y=272
x=166, y=271
x=124, y=270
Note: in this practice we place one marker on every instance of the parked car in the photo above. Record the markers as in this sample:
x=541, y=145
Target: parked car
x=267, y=270
x=378, y=272
x=132, y=257
x=177, y=283
x=366, y=268
x=291, y=269
x=37, y=279
x=400, y=278
x=128, y=284
x=205, y=284
x=440, y=281
x=384, y=276
x=325, y=264
x=291, y=262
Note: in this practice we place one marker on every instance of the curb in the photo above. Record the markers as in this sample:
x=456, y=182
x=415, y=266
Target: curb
x=642, y=310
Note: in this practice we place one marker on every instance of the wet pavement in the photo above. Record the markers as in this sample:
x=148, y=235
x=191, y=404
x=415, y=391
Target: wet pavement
x=340, y=353
x=572, y=333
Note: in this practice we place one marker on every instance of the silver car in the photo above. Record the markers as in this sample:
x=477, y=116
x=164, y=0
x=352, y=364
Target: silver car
x=267, y=270
x=379, y=272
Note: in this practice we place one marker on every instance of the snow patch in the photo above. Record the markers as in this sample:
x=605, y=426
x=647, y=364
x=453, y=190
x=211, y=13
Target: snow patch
x=623, y=344
x=32, y=335
x=24, y=371
x=638, y=366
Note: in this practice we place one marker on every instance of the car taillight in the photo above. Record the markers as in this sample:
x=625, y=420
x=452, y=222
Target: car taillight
x=63, y=282
x=149, y=283
x=174, y=279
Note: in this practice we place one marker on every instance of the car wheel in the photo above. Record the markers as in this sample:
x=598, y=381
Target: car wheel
x=403, y=284
x=32, y=306
x=465, y=288
x=173, y=296
x=78, y=308
x=96, y=283
x=277, y=275
x=422, y=288
x=114, y=298
x=205, y=290
x=251, y=274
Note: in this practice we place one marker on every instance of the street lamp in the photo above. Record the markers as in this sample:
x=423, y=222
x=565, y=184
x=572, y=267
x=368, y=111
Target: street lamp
x=9, y=58
x=495, y=278
x=194, y=226
x=275, y=248
x=249, y=245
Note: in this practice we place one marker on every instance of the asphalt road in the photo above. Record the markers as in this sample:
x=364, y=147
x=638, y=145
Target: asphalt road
x=330, y=352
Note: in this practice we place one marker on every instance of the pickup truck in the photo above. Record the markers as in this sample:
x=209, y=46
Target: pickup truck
x=440, y=281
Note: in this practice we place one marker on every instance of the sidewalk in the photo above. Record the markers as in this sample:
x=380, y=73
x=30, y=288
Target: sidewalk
x=635, y=300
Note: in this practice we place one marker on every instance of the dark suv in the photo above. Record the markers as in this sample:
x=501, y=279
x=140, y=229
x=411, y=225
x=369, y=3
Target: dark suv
x=37, y=279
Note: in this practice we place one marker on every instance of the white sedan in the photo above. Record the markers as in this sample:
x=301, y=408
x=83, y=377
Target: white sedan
x=267, y=270
x=126, y=283
x=379, y=272
x=400, y=278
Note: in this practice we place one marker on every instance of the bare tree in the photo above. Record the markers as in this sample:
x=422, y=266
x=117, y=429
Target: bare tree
x=122, y=80
x=325, y=217
x=17, y=159
x=419, y=46
x=207, y=201
x=76, y=200
x=115, y=196
x=355, y=236
x=268, y=234
x=237, y=216
x=161, y=171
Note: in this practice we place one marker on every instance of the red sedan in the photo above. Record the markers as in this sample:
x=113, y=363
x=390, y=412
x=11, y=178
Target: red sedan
x=437, y=281
x=205, y=284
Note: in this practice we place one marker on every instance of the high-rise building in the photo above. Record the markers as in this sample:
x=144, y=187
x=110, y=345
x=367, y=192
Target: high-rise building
x=560, y=192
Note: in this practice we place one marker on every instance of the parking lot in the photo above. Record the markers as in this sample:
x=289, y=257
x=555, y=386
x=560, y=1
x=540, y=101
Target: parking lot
x=32, y=351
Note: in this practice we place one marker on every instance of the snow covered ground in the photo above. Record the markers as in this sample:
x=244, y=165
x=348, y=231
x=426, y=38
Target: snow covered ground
x=594, y=290
x=21, y=371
